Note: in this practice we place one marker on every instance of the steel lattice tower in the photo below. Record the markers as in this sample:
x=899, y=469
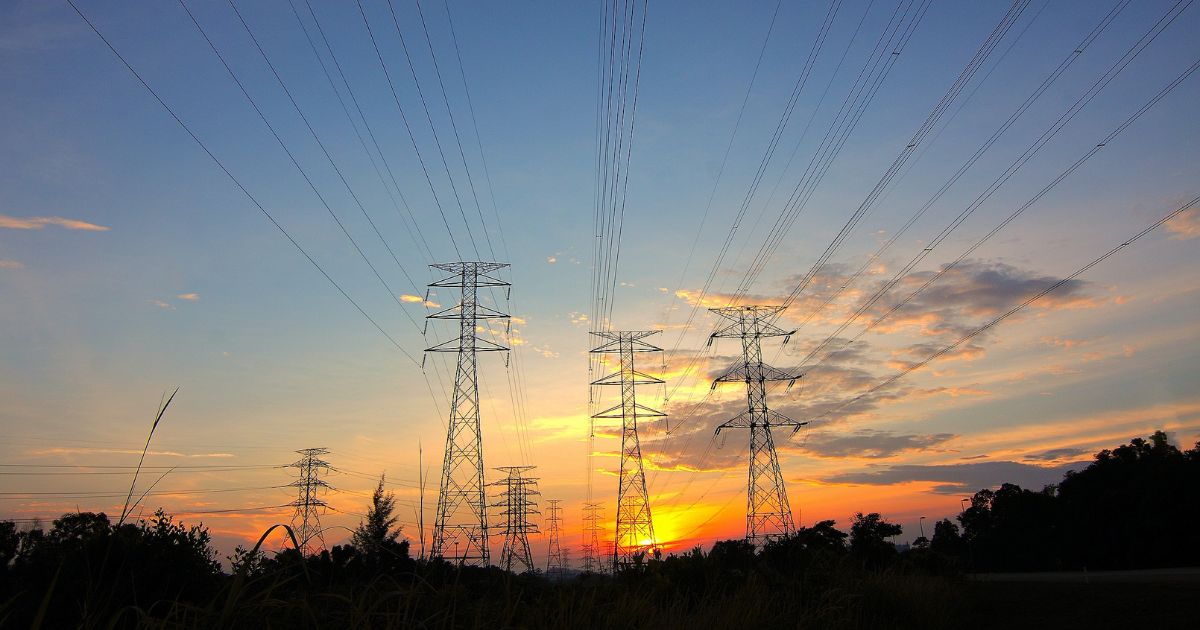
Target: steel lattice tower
x=461, y=521
x=591, y=538
x=635, y=529
x=306, y=522
x=768, y=513
x=556, y=563
x=515, y=499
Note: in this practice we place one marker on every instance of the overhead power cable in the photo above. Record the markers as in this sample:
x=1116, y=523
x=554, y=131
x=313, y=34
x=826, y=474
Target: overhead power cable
x=241, y=187
x=1057, y=126
x=1058, y=71
x=1009, y=313
x=408, y=128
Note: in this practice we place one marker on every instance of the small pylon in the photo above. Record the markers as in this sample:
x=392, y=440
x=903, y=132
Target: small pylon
x=634, y=534
x=306, y=521
x=768, y=513
x=515, y=499
x=591, y=538
x=556, y=563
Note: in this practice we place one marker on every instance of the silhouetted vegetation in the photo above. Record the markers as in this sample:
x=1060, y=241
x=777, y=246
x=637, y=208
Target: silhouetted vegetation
x=1133, y=507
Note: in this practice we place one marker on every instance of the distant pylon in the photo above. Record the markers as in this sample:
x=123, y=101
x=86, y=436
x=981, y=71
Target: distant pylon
x=556, y=563
x=634, y=532
x=768, y=513
x=515, y=499
x=461, y=521
x=591, y=539
x=306, y=521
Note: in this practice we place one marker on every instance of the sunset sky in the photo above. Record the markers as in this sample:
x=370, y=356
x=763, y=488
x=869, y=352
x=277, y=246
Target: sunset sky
x=130, y=264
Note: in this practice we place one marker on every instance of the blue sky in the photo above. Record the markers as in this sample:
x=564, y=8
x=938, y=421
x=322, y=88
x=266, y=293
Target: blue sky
x=188, y=285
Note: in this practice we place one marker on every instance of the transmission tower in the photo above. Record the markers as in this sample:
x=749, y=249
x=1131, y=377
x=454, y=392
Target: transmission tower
x=306, y=522
x=515, y=499
x=556, y=563
x=768, y=514
x=461, y=521
x=591, y=538
x=635, y=530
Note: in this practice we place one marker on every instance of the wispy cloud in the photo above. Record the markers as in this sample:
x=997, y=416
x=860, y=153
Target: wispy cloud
x=191, y=297
x=416, y=299
x=37, y=223
x=1185, y=225
x=162, y=304
x=10, y=264
x=67, y=450
x=870, y=444
x=960, y=478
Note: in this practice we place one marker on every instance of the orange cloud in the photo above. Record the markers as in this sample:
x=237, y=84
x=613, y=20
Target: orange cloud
x=1185, y=225
x=37, y=223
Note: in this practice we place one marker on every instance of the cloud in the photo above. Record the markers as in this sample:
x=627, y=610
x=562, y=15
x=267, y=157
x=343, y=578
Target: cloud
x=545, y=351
x=551, y=259
x=62, y=450
x=416, y=299
x=870, y=444
x=959, y=478
x=161, y=304
x=191, y=297
x=11, y=264
x=1185, y=225
x=1058, y=454
x=37, y=223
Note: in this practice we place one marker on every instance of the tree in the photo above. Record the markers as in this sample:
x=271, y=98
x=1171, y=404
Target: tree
x=375, y=537
x=946, y=539
x=868, y=538
x=1134, y=506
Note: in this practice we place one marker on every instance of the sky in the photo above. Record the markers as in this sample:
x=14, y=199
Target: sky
x=130, y=264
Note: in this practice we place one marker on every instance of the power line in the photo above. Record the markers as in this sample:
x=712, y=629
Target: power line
x=1075, y=53
x=332, y=163
x=404, y=118
x=1037, y=296
x=454, y=126
x=240, y=186
x=1020, y=161
x=432, y=128
x=414, y=232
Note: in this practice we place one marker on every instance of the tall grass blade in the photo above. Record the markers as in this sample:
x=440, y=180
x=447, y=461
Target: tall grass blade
x=162, y=409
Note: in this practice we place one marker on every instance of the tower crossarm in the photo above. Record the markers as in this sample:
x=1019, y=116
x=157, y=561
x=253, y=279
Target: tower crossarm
x=635, y=377
x=639, y=411
x=741, y=373
x=478, y=344
x=773, y=419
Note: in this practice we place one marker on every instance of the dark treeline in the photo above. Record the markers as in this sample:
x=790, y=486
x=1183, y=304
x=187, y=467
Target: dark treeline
x=1133, y=507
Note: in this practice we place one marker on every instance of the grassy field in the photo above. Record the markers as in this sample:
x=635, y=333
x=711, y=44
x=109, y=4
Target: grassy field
x=1132, y=604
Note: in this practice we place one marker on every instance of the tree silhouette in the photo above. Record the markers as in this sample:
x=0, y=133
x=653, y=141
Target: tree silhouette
x=946, y=538
x=375, y=537
x=868, y=538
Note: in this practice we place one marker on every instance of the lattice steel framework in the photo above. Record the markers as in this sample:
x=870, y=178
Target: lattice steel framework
x=768, y=513
x=556, y=560
x=461, y=525
x=591, y=538
x=515, y=499
x=634, y=532
x=306, y=521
